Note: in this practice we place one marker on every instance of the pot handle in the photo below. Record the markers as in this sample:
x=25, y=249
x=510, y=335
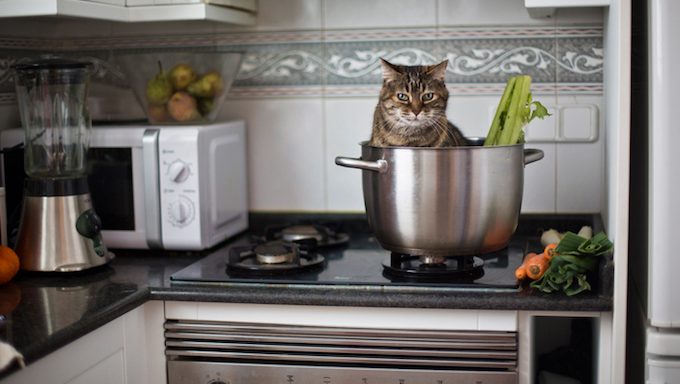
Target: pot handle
x=531, y=155
x=375, y=166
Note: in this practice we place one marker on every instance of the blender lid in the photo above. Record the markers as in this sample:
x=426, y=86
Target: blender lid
x=52, y=63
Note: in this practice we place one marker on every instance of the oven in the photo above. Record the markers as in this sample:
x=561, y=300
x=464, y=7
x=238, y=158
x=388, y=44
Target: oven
x=320, y=343
x=230, y=352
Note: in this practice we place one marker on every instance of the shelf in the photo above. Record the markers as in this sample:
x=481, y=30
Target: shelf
x=118, y=12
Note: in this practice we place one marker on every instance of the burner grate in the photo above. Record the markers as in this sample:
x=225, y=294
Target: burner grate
x=418, y=268
x=324, y=235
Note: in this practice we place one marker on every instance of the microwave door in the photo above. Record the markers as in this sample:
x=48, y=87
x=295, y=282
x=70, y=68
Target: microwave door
x=118, y=182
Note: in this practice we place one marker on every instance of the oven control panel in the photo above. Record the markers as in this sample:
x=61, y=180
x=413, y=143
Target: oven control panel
x=194, y=372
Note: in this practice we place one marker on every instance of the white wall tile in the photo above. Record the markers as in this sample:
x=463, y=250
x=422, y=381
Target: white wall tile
x=540, y=181
x=283, y=15
x=34, y=27
x=486, y=12
x=347, y=122
x=285, y=152
x=380, y=13
x=576, y=15
x=162, y=28
x=472, y=114
x=580, y=181
x=9, y=116
x=82, y=28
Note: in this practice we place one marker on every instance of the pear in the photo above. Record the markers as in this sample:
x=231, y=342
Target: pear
x=181, y=75
x=205, y=106
x=208, y=85
x=157, y=113
x=182, y=107
x=158, y=89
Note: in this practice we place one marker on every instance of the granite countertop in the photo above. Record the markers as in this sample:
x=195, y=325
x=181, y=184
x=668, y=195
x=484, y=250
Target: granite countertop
x=43, y=312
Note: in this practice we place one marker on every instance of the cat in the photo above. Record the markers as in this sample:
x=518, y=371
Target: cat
x=411, y=110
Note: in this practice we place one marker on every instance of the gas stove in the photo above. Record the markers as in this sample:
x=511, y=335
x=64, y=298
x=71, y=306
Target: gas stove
x=345, y=253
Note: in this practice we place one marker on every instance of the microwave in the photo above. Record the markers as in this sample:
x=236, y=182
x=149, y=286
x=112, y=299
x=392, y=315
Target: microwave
x=157, y=187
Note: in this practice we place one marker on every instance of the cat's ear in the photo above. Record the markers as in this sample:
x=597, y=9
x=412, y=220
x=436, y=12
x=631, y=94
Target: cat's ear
x=438, y=71
x=390, y=71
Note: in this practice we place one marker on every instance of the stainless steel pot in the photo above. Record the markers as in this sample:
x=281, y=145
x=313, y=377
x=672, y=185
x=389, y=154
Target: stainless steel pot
x=443, y=201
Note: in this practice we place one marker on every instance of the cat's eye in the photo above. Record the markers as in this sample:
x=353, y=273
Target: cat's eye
x=402, y=96
x=428, y=96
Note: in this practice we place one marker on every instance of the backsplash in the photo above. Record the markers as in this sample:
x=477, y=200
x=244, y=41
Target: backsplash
x=307, y=89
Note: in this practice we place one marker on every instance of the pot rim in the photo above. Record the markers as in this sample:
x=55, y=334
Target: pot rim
x=478, y=142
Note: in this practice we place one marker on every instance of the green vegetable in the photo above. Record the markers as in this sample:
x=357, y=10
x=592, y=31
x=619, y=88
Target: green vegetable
x=514, y=112
x=574, y=257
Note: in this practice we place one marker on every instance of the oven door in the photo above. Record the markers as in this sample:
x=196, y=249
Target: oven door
x=124, y=187
x=222, y=352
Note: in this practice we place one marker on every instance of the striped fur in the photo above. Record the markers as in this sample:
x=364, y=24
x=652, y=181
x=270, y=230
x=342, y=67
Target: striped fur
x=411, y=110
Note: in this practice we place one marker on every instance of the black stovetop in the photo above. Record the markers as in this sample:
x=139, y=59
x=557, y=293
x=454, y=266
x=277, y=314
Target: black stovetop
x=357, y=263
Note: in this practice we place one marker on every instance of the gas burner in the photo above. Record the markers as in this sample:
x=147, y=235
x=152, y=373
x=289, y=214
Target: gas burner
x=425, y=268
x=272, y=257
x=276, y=252
x=323, y=235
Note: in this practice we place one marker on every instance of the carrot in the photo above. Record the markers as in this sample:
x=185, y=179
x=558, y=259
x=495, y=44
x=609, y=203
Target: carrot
x=537, y=265
x=550, y=251
x=521, y=271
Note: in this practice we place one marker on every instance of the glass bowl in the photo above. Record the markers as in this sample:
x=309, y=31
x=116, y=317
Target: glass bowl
x=180, y=88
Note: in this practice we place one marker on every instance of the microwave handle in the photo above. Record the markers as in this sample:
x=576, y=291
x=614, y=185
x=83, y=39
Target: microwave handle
x=152, y=188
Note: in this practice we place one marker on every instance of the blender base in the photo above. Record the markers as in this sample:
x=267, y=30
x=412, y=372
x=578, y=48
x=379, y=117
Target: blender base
x=48, y=239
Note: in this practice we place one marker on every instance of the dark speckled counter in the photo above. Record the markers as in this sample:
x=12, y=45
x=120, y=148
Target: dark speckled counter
x=42, y=313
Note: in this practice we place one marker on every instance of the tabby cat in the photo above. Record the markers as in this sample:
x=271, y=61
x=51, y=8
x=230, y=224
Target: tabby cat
x=411, y=110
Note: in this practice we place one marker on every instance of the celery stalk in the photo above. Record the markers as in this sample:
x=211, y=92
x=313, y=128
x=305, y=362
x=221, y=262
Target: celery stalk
x=523, y=111
x=514, y=112
x=499, y=117
x=512, y=118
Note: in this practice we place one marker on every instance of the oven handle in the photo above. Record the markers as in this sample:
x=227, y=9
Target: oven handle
x=334, y=359
x=334, y=349
x=228, y=338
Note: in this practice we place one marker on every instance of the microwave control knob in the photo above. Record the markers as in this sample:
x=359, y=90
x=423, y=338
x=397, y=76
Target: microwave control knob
x=178, y=171
x=181, y=211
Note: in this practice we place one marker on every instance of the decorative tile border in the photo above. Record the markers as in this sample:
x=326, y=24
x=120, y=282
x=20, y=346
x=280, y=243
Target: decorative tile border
x=346, y=62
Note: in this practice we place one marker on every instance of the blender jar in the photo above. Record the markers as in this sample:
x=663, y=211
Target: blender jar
x=52, y=97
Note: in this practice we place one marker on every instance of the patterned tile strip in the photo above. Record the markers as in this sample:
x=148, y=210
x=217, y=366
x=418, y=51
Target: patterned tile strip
x=337, y=63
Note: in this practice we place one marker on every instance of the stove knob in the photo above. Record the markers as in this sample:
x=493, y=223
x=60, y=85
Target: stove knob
x=178, y=171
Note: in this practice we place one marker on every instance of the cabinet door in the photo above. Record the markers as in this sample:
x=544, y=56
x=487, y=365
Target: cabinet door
x=108, y=371
x=99, y=350
x=127, y=350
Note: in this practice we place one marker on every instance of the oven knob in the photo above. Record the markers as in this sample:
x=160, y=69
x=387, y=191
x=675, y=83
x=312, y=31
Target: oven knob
x=181, y=211
x=178, y=171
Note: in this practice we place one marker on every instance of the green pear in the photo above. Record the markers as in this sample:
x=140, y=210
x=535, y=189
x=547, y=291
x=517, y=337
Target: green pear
x=182, y=107
x=208, y=85
x=181, y=75
x=158, y=89
x=205, y=106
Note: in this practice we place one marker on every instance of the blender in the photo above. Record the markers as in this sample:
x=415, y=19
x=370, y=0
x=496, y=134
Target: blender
x=59, y=230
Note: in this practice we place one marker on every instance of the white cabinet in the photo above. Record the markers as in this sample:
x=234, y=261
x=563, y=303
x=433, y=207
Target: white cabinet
x=565, y=3
x=545, y=335
x=240, y=12
x=127, y=350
